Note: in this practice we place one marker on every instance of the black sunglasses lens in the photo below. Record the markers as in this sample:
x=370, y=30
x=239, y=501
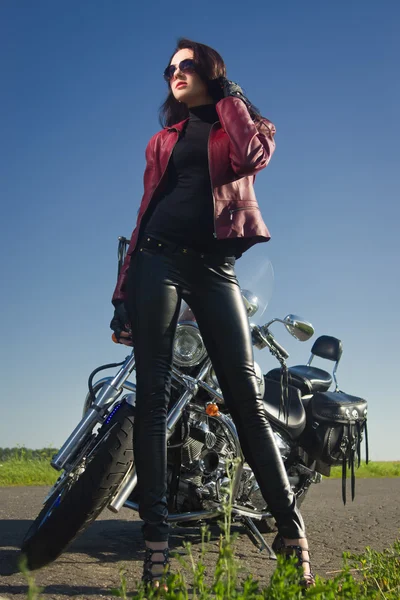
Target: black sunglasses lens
x=186, y=66
x=169, y=71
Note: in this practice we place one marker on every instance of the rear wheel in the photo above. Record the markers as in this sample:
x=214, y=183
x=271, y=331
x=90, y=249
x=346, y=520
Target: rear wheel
x=80, y=497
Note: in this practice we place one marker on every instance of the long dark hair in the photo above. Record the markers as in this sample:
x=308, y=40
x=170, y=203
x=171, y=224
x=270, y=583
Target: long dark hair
x=209, y=66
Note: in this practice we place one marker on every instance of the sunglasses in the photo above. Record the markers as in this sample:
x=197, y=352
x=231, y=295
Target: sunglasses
x=185, y=66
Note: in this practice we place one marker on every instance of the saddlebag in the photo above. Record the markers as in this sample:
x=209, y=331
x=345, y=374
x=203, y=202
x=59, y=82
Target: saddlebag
x=336, y=423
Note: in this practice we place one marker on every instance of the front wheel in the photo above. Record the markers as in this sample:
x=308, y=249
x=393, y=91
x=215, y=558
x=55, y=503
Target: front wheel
x=81, y=497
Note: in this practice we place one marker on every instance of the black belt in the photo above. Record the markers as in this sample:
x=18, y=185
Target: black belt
x=164, y=247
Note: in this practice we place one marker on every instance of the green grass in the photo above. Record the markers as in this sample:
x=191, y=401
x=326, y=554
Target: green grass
x=26, y=467
x=372, y=469
x=22, y=466
x=16, y=471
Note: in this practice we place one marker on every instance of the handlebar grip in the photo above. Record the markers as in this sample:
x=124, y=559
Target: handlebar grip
x=280, y=348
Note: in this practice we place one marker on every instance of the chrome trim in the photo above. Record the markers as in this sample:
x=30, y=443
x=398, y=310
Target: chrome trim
x=188, y=516
x=107, y=395
x=206, y=514
x=258, y=337
x=131, y=398
x=298, y=327
x=192, y=385
x=334, y=377
x=130, y=386
x=124, y=491
x=86, y=405
x=211, y=391
x=121, y=377
x=333, y=372
x=229, y=425
x=99, y=384
x=247, y=512
x=65, y=454
x=262, y=544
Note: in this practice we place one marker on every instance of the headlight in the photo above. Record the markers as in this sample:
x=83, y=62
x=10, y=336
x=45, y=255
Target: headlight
x=189, y=349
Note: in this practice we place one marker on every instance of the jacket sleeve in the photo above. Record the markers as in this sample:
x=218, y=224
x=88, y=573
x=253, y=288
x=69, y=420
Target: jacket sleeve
x=119, y=294
x=251, y=144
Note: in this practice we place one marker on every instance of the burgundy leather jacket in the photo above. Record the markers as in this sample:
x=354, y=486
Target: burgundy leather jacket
x=237, y=149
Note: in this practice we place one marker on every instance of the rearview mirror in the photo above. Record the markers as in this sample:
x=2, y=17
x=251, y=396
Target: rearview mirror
x=298, y=327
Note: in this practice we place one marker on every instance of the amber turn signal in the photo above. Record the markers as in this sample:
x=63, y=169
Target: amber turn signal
x=114, y=338
x=212, y=410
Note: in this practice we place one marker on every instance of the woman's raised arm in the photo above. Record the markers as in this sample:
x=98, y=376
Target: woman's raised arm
x=251, y=144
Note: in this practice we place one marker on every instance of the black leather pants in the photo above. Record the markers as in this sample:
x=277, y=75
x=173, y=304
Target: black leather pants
x=156, y=284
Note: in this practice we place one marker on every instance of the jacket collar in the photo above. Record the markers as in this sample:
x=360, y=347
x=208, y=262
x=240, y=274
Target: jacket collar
x=178, y=126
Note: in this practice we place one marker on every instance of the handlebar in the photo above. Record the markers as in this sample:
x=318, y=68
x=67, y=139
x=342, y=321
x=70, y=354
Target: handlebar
x=262, y=337
x=277, y=346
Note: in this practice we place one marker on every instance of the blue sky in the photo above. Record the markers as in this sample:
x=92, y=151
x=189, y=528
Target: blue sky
x=81, y=85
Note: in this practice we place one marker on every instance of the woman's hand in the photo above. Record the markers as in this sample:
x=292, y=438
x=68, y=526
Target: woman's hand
x=121, y=326
x=230, y=88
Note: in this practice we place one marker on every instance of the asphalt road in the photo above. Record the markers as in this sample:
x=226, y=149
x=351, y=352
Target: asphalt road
x=90, y=567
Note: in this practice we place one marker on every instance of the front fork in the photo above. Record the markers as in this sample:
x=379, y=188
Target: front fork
x=110, y=390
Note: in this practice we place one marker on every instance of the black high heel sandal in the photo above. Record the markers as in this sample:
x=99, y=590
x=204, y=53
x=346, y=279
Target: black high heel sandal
x=280, y=547
x=150, y=578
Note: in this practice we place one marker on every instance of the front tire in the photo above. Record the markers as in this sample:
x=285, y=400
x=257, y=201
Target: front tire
x=73, y=506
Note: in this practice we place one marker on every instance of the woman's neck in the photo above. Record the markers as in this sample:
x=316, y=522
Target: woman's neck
x=203, y=112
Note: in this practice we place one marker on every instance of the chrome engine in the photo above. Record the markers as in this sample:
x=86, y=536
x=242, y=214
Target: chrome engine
x=203, y=467
x=204, y=478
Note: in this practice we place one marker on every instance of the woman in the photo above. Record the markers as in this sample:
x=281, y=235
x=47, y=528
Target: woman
x=198, y=214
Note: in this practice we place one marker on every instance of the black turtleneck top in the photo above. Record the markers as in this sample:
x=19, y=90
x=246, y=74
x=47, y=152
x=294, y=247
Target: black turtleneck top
x=184, y=213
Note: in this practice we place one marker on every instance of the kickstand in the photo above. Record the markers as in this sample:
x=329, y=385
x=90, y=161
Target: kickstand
x=257, y=538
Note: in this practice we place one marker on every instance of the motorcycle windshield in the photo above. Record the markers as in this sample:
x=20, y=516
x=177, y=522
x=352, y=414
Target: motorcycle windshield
x=256, y=279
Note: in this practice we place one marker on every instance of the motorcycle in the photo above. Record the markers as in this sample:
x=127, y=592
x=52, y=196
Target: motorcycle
x=313, y=429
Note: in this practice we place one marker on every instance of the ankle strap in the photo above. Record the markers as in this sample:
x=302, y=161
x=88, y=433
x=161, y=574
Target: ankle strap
x=151, y=551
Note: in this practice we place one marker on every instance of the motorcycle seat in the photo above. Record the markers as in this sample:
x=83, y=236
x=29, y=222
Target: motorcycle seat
x=307, y=379
x=295, y=422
